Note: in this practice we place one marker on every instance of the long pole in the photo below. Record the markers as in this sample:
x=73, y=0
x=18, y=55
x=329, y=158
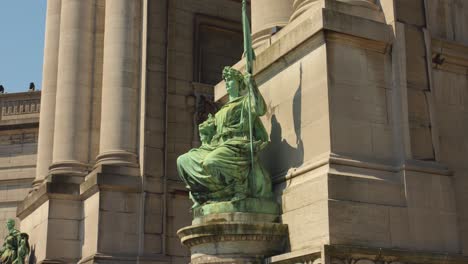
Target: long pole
x=250, y=57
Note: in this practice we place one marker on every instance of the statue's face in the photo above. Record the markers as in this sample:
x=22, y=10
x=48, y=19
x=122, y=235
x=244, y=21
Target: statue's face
x=232, y=87
x=10, y=225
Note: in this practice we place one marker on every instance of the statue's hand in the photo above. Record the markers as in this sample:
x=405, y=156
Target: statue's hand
x=207, y=130
x=248, y=78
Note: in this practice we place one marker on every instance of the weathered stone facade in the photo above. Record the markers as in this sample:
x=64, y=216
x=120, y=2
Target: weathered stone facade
x=367, y=121
x=19, y=120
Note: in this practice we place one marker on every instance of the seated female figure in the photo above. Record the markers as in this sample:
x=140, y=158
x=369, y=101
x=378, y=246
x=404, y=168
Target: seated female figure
x=221, y=169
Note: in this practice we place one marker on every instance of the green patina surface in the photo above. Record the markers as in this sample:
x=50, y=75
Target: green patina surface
x=249, y=205
x=225, y=170
x=16, y=246
x=226, y=166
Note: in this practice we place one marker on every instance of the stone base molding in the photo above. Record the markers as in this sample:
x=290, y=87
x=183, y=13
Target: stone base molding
x=300, y=6
x=69, y=167
x=341, y=254
x=118, y=157
x=217, y=240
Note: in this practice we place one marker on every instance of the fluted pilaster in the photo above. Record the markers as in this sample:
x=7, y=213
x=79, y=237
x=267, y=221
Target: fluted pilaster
x=118, y=141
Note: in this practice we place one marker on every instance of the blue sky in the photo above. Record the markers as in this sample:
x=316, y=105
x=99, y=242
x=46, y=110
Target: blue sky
x=22, y=25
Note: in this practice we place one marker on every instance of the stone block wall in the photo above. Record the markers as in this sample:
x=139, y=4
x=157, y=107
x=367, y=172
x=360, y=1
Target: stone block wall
x=19, y=118
x=366, y=118
x=170, y=103
x=450, y=96
x=376, y=173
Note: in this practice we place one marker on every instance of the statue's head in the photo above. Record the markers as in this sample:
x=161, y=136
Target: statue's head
x=234, y=81
x=10, y=224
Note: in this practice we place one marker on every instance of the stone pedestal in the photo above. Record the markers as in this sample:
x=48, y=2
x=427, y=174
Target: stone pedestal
x=244, y=231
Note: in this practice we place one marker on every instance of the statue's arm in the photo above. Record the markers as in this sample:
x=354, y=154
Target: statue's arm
x=257, y=101
x=207, y=129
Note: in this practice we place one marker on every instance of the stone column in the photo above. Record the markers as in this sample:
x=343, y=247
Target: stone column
x=300, y=6
x=118, y=141
x=267, y=17
x=49, y=88
x=74, y=81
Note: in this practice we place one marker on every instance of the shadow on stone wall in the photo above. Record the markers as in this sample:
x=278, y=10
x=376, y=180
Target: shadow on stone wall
x=32, y=255
x=280, y=156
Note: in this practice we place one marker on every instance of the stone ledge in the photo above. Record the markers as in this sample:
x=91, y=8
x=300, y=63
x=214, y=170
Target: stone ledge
x=66, y=187
x=307, y=255
x=379, y=255
x=104, y=258
x=17, y=181
x=47, y=191
x=112, y=178
x=231, y=231
x=340, y=254
x=21, y=95
x=332, y=160
x=19, y=123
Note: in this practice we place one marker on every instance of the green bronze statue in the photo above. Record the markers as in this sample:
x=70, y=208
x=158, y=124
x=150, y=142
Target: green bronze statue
x=221, y=169
x=15, y=247
x=226, y=166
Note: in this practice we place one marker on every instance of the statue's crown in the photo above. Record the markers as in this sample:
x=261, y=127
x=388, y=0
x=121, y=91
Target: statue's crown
x=232, y=74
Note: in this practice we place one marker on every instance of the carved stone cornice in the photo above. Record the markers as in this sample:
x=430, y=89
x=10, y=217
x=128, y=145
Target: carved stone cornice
x=232, y=231
x=19, y=110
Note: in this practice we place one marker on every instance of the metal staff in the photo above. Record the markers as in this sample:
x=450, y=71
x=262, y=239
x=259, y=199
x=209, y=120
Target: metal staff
x=250, y=57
